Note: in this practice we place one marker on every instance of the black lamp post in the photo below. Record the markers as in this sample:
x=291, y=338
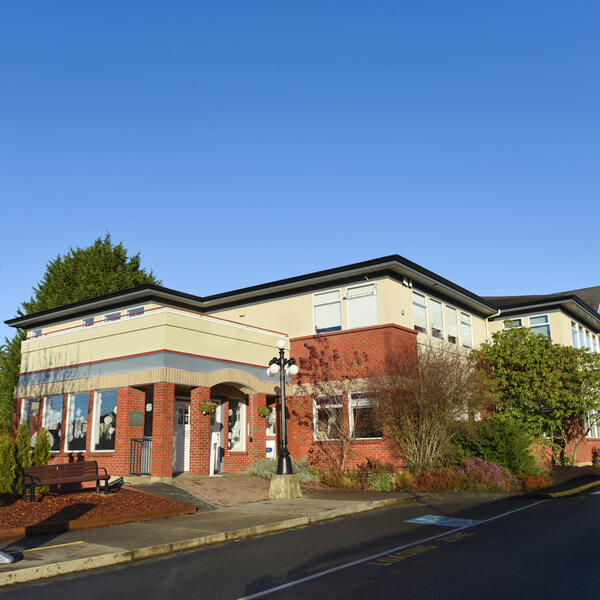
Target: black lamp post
x=283, y=366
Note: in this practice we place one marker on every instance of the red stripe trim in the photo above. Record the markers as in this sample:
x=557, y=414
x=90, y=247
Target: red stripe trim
x=93, y=362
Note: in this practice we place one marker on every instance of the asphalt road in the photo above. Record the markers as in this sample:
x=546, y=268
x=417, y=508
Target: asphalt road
x=519, y=549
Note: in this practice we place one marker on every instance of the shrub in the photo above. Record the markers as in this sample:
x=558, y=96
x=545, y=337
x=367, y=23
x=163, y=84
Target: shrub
x=472, y=474
x=8, y=466
x=536, y=482
x=596, y=457
x=22, y=455
x=381, y=481
x=41, y=449
x=498, y=440
x=404, y=479
x=361, y=474
x=267, y=467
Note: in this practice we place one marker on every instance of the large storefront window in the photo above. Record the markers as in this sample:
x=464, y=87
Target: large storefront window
x=30, y=411
x=105, y=420
x=77, y=421
x=235, y=436
x=53, y=406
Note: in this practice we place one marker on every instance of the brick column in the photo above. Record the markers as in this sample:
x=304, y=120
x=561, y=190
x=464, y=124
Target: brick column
x=128, y=399
x=162, y=430
x=199, y=433
x=257, y=449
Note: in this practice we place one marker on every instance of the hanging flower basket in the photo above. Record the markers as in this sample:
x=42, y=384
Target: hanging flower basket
x=264, y=411
x=207, y=408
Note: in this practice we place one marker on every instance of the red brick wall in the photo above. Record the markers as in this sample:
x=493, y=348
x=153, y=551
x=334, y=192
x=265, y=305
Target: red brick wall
x=346, y=355
x=162, y=430
x=199, y=433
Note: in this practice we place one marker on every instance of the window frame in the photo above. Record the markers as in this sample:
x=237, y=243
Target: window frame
x=338, y=404
x=546, y=324
x=348, y=300
x=96, y=420
x=70, y=409
x=315, y=305
x=426, y=302
x=114, y=316
x=470, y=324
x=29, y=399
x=351, y=400
x=136, y=311
x=45, y=418
x=88, y=321
x=243, y=425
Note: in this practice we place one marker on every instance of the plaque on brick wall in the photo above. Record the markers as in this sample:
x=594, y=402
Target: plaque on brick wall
x=136, y=418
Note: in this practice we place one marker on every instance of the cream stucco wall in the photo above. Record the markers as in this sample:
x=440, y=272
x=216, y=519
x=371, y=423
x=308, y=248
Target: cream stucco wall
x=165, y=329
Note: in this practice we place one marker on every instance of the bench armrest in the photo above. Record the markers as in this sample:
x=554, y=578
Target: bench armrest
x=32, y=478
x=105, y=471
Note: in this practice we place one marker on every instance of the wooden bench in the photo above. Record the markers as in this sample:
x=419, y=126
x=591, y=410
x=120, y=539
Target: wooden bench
x=77, y=472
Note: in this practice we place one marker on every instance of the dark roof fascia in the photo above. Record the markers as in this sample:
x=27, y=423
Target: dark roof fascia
x=585, y=312
x=145, y=293
x=393, y=265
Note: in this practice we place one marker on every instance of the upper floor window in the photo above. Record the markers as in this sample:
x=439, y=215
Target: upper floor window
x=420, y=312
x=88, y=321
x=540, y=325
x=574, y=334
x=510, y=323
x=466, y=330
x=112, y=316
x=452, y=324
x=327, y=311
x=36, y=333
x=595, y=342
x=437, y=318
x=361, y=304
x=133, y=312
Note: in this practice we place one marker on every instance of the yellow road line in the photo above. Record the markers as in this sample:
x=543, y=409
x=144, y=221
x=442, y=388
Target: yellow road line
x=49, y=547
x=576, y=490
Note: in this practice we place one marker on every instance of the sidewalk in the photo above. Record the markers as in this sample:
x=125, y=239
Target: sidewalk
x=70, y=552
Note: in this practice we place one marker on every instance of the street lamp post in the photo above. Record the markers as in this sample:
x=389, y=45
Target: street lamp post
x=279, y=364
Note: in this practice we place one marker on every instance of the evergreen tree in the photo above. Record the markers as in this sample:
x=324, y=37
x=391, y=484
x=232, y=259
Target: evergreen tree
x=8, y=466
x=22, y=454
x=41, y=449
x=80, y=274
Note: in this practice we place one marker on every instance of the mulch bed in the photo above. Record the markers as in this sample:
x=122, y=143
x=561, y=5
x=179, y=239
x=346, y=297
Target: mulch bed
x=52, y=510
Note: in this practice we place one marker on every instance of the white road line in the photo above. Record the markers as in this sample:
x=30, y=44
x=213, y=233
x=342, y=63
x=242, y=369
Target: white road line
x=359, y=561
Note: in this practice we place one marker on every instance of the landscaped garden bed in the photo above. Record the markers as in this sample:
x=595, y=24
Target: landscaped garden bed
x=54, y=512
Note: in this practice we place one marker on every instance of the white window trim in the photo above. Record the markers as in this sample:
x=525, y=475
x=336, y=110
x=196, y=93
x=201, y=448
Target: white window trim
x=107, y=320
x=95, y=423
x=373, y=293
x=426, y=298
x=351, y=416
x=314, y=305
x=30, y=398
x=339, y=404
x=68, y=424
x=520, y=319
x=243, y=425
x=547, y=323
x=462, y=343
x=430, y=320
x=132, y=315
x=45, y=417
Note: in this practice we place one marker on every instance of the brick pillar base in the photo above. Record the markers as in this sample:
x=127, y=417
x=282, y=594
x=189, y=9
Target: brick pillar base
x=162, y=430
x=199, y=433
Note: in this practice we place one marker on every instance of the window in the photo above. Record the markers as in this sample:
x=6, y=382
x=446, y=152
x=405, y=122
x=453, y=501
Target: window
x=88, y=321
x=595, y=342
x=436, y=319
x=327, y=311
x=466, y=330
x=364, y=417
x=574, y=334
x=105, y=420
x=271, y=421
x=77, y=419
x=593, y=422
x=420, y=312
x=53, y=406
x=134, y=312
x=511, y=323
x=540, y=325
x=112, y=316
x=361, y=303
x=30, y=411
x=236, y=434
x=328, y=417
x=581, y=337
x=452, y=324
x=36, y=333
x=588, y=341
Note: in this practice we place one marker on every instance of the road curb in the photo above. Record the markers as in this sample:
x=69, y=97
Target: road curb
x=115, y=558
x=574, y=491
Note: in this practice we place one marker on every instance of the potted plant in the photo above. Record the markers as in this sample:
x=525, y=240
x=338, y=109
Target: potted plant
x=207, y=408
x=264, y=411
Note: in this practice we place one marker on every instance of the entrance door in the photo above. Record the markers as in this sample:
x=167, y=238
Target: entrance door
x=217, y=439
x=181, y=437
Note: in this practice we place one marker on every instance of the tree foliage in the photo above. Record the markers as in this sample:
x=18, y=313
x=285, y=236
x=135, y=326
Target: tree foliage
x=41, y=449
x=8, y=465
x=552, y=390
x=79, y=274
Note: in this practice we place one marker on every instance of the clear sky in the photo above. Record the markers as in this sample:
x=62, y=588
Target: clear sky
x=234, y=143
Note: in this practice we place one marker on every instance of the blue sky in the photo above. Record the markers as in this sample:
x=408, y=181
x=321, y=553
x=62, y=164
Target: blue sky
x=234, y=143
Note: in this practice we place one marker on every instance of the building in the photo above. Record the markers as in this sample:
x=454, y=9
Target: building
x=121, y=378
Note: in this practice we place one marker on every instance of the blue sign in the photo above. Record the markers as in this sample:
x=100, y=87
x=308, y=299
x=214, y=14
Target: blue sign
x=443, y=521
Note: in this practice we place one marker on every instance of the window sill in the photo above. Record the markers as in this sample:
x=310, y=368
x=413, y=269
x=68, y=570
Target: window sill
x=101, y=451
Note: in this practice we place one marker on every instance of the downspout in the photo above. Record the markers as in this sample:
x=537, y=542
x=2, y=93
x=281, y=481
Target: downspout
x=487, y=323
